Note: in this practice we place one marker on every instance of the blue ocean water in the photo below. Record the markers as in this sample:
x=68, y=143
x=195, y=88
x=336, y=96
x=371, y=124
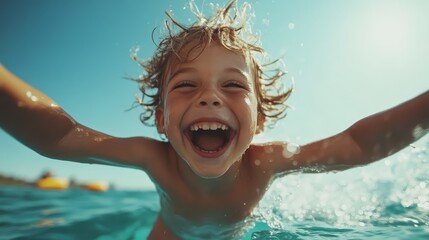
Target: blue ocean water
x=30, y=213
x=385, y=200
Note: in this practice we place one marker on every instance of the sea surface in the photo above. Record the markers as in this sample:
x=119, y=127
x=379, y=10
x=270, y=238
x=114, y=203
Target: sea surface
x=385, y=200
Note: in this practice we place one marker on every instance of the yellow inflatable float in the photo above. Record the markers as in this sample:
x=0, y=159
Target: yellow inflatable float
x=52, y=183
x=96, y=186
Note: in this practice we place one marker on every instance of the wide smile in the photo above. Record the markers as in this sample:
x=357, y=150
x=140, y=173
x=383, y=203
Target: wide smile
x=209, y=139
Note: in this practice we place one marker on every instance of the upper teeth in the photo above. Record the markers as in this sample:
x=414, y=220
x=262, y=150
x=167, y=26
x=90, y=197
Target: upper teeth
x=208, y=126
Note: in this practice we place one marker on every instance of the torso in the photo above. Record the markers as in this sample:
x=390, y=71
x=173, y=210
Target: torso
x=205, y=215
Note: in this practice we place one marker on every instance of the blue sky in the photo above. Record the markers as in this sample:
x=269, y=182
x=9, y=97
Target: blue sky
x=348, y=59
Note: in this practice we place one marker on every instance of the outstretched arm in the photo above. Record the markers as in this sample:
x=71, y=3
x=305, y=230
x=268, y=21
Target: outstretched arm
x=366, y=141
x=387, y=132
x=374, y=137
x=29, y=115
x=38, y=122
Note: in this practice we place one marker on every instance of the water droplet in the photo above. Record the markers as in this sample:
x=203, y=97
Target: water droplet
x=290, y=149
x=286, y=153
x=291, y=26
x=20, y=104
x=29, y=94
x=294, y=163
x=34, y=98
x=293, y=148
x=419, y=132
x=257, y=162
x=244, y=204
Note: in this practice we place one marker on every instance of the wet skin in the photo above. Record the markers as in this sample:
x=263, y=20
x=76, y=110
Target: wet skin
x=202, y=183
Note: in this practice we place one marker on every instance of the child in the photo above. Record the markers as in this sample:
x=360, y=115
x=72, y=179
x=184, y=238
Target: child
x=209, y=96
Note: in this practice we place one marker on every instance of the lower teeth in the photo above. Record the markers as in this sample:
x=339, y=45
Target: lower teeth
x=208, y=151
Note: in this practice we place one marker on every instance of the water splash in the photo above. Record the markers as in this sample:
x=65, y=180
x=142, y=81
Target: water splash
x=392, y=193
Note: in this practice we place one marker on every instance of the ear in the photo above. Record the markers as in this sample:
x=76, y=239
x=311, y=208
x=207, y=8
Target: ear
x=159, y=120
x=260, y=123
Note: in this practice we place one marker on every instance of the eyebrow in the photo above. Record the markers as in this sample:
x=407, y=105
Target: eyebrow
x=227, y=70
x=183, y=70
x=236, y=70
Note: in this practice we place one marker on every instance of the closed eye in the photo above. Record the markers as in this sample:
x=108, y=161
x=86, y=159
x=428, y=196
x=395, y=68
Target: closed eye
x=235, y=84
x=184, y=84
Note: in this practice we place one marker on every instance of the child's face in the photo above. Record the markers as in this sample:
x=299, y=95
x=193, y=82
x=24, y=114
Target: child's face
x=209, y=112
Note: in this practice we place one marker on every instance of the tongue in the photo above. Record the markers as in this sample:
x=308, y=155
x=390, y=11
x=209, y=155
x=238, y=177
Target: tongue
x=208, y=140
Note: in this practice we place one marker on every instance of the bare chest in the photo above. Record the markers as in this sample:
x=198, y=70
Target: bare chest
x=208, y=216
x=223, y=207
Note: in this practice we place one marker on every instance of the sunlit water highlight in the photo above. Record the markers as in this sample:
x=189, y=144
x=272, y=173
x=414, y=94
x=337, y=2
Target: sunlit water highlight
x=385, y=200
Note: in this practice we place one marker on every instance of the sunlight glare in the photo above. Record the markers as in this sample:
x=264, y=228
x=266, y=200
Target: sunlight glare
x=387, y=30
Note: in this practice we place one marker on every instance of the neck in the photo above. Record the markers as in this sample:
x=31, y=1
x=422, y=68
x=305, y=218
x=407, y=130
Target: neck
x=219, y=184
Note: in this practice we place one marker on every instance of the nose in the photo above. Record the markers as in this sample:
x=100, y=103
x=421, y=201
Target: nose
x=209, y=98
x=207, y=103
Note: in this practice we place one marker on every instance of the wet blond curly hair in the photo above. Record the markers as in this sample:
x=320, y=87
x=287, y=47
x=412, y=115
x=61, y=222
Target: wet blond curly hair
x=228, y=27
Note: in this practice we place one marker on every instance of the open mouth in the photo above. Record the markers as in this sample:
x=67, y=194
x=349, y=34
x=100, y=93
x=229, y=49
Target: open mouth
x=209, y=138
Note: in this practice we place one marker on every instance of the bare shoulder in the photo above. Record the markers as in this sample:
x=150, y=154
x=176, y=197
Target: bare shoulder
x=334, y=153
x=86, y=145
x=273, y=156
